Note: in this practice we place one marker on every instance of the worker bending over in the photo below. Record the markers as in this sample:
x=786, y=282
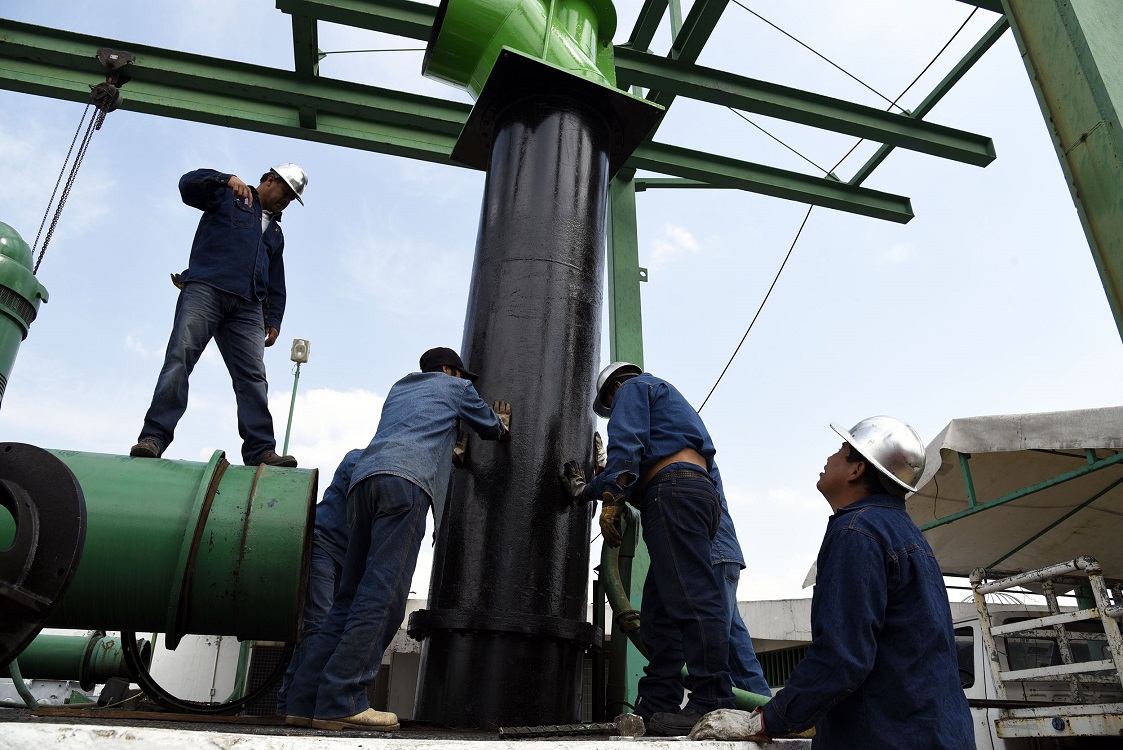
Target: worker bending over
x=403, y=471
x=659, y=459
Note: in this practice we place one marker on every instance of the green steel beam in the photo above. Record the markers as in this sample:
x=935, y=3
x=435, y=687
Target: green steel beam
x=646, y=183
x=724, y=172
x=1056, y=523
x=696, y=29
x=61, y=64
x=1059, y=479
x=306, y=59
x=1073, y=52
x=770, y=99
x=398, y=17
x=647, y=23
x=690, y=40
x=968, y=481
x=992, y=5
x=625, y=320
x=943, y=87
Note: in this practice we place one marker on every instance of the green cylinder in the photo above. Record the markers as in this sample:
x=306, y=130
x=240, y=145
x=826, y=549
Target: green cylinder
x=20, y=295
x=573, y=35
x=180, y=547
x=86, y=659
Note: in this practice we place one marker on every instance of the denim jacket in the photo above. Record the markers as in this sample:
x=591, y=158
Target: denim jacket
x=650, y=420
x=230, y=252
x=881, y=671
x=331, y=529
x=417, y=431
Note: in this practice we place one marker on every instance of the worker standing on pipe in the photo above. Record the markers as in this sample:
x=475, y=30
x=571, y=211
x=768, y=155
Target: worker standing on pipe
x=659, y=458
x=234, y=292
x=403, y=471
x=881, y=671
x=329, y=545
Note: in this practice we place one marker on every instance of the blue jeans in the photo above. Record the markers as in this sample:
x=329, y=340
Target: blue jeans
x=684, y=614
x=387, y=518
x=323, y=582
x=237, y=326
x=744, y=667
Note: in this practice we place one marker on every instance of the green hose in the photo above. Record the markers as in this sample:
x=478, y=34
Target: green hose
x=626, y=618
x=21, y=687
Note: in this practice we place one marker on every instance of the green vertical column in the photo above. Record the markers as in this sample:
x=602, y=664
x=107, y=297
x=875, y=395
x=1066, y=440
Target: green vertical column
x=625, y=326
x=625, y=320
x=1073, y=51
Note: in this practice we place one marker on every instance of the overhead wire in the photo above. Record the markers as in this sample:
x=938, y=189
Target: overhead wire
x=807, y=215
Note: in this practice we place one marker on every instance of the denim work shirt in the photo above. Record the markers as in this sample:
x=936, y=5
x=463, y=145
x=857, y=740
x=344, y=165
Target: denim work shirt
x=650, y=421
x=230, y=251
x=417, y=431
x=331, y=529
x=726, y=547
x=881, y=670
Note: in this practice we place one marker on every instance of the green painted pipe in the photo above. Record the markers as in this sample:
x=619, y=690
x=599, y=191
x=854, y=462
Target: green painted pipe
x=573, y=35
x=180, y=547
x=88, y=659
x=20, y=295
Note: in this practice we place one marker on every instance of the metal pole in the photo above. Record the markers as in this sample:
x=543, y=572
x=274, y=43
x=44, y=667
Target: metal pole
x=292, y=405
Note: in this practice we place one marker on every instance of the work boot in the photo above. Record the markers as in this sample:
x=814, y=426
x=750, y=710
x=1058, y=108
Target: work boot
x=371, y=720
x=673, y=724
x=272, y=459
x=146, y=448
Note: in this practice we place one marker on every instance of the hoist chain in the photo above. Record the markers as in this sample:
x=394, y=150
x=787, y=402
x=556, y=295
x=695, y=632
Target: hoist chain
x=104, y=97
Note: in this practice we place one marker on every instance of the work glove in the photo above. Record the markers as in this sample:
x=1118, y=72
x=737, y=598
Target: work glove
x=611, y=507
x=573, y=479
x=503, y=410
x=460, y=452
x=600, y=455
x=729, y=724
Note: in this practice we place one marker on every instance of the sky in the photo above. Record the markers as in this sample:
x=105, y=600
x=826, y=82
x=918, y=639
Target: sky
x=987, y=302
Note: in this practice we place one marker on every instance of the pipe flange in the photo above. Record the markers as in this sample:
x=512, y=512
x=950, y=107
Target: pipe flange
x=424, y=621
x=49, y=510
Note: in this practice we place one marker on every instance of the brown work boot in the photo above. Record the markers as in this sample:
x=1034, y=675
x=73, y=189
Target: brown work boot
x=146, y=448
x=272, y=459
x=371, y=720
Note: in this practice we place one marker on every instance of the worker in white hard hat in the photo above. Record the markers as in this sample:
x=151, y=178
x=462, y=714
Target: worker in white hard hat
x=881, y=671
x=660, y=457
x=233, y=291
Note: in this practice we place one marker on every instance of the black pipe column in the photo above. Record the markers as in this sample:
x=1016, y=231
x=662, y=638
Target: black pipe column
x=504, y=640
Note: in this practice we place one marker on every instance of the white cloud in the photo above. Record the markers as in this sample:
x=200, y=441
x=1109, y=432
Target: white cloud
x=676, y=243
x=326, y=424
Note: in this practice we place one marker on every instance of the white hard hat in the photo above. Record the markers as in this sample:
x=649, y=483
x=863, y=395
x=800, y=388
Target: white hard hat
x=890, y=445
x=294, y=177
x=605, y=377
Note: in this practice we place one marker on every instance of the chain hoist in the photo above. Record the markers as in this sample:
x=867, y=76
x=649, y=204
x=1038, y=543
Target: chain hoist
x=104, y=98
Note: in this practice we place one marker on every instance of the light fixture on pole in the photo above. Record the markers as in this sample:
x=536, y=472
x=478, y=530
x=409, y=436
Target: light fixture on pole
x=299, y=354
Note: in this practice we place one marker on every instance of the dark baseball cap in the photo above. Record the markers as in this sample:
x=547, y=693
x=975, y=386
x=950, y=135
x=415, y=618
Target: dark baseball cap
x=434, y=359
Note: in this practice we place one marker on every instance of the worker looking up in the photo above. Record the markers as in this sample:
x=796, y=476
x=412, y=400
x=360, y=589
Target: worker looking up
x=659, y=459
x=403, y=471
x=881, y=671
x=234, y=292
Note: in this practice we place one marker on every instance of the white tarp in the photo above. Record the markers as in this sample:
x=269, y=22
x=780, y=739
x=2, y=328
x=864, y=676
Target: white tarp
x=1012, y=452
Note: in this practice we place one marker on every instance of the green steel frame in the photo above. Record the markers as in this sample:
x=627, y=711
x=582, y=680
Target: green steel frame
x=1064, y=45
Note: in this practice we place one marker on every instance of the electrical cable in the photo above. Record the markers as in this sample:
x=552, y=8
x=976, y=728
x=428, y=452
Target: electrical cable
x=807, y=216
x=817, y=53
x=322, y=55
x=773, y=137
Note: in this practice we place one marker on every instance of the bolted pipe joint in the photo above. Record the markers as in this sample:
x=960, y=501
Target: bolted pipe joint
x=20, y=296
